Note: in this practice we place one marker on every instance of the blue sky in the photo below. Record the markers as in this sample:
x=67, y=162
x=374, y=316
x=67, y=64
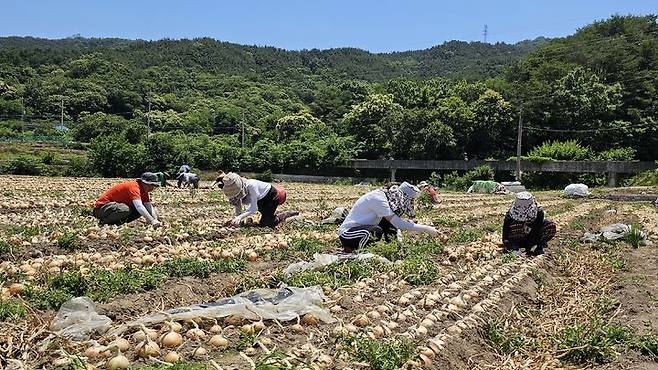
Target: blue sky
x=375, y=25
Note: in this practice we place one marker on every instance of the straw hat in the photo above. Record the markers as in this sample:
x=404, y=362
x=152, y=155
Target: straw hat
x=235, y=187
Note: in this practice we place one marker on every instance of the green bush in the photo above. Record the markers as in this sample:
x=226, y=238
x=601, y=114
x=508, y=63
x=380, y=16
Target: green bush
x=24, y=165
x=80, y=167
x=569, y=150
x=462, y=183
x=649, y=178
x=265, y=176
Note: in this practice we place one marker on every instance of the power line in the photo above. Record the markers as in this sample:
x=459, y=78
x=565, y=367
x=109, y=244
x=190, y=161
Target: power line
x=532, y=128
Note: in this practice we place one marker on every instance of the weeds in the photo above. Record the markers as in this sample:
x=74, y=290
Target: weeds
x=501, y=338
x=27, y=231
x=592, y=343
x=273, y=361
x=418, y=270
x=201, y=269
x=301, y=247
x=634, y=237
x=336, y=275
x=509, y=256
x=68, y=241
x=11, y=309
x=648, y=345
x=380, y=354
x=6, y=247
x=466, y=235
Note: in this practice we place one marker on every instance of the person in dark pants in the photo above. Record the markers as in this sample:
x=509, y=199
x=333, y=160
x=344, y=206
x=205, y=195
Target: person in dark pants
x=377, y=214
x=127, y=201
x=260, y=196
x=525, y=226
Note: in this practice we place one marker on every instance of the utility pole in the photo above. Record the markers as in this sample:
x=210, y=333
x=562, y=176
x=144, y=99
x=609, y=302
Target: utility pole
x=484, y=33
x=148, y=120
x=22, y=114
x=518, y=146
x=242, y=129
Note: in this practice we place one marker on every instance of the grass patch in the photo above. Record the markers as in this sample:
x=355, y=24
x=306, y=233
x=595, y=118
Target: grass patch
x=201, y=269
x=301, y=247
x=380, y=354
x=27, y=231
x=647, y=345
x=393, y=251
x=592, y=343
x=447, y=222
x=634, y=237
x=336, y=275
x=509, y=256
x=502, y=338
x=12, y=310
x=68, y=241
x=102, y=285
x=466, y=235
x=273, y=361
x=418, y=270
x=6, y=247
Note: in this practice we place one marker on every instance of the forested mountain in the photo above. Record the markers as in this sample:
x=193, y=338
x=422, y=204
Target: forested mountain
x=456, y=59
x=310, y=109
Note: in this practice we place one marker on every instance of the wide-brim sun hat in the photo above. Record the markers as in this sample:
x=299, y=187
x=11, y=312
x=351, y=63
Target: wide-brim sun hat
x=149, y=178
x=234, y=186
x=524, y=208
x=409, y=190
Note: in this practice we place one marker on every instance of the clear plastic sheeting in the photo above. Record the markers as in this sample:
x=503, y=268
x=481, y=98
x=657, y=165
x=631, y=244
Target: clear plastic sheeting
x=576, y=190
x=612, y=232
x=283, y=304
x=77, y=320
x=321, y=260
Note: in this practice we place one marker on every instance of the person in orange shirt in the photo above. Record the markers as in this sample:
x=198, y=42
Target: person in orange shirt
x=127, y=201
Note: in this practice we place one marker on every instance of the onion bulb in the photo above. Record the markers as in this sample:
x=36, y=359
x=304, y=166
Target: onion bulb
x=171, y=340
x=216, y=329
x=174, y=326
x=93, y=352
x=147, y=349
x=309, y=319
x=118, y=362
x=247, y=329
x=172, y=357
x=258, y=326
x=195, y=334
x=218, y=341
x=361, y=320
x=120, y=343
x=200, y=353
x=297, y=328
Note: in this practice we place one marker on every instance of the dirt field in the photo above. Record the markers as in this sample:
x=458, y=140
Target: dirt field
x=455, y=302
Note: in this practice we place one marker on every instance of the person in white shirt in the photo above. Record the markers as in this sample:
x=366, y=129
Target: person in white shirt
x=377, y=213
x=260, y=196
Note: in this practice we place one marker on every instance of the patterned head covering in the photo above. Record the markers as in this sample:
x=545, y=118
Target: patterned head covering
x=235, y=188
x=401, y=198
x=524, y=208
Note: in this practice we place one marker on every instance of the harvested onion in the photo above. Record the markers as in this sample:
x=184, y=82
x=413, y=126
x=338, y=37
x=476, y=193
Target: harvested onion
x=171, y=340
x=119, y=362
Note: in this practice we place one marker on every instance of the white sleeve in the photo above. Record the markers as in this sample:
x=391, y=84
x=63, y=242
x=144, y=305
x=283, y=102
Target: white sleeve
x=380, y=206
x=401, y=224
x=151, y=209
x=238, y=208
x=142, y=210
x=253, y=205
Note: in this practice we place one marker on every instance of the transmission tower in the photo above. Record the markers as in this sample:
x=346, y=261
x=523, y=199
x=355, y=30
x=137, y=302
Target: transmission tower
x=485, y=32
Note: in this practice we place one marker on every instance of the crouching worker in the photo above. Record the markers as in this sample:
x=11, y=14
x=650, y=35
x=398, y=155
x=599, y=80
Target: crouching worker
x=259, y=195
x=525, y=226
x=186, y=179
x=377, y=214
x=126, y=201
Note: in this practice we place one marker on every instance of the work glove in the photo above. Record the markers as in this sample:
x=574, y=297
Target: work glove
x=156, y=224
